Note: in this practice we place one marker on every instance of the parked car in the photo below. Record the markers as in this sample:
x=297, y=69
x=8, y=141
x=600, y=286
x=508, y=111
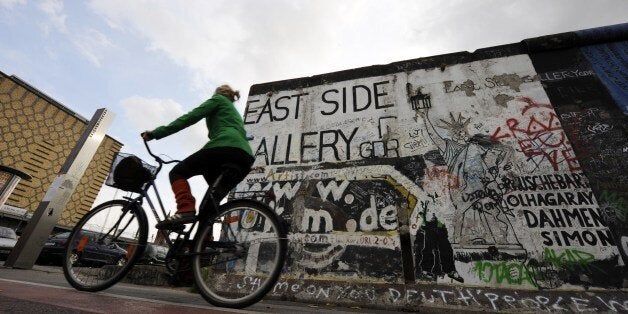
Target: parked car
x=154, y=255
x=8, y=238
x=86, y=249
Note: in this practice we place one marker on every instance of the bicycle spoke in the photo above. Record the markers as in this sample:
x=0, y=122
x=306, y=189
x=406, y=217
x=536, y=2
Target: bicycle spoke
x=249, y=249
x=115, y=228
x=103, y=246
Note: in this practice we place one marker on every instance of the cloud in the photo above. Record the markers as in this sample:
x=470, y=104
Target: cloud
x=9, y=4
x=54, y=11
x=143, y=114
x=88, y=42
x=146, y=113
x=92, y=44
x=247, y=42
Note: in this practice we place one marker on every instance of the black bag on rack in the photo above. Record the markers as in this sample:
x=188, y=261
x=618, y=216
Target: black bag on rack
x=130, y=174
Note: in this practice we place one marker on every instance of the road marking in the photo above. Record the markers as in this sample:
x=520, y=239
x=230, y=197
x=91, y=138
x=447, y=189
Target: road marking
x=36, y=284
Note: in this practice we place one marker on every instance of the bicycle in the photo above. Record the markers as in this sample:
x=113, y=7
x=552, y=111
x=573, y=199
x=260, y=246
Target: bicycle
x=241, y=241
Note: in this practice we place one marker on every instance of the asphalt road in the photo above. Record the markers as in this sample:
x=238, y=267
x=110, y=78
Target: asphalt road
x=43, y=289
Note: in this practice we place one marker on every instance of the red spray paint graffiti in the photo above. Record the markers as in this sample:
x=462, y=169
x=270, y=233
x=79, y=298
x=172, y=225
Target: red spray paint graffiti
x=442, y=175
x=539, y=135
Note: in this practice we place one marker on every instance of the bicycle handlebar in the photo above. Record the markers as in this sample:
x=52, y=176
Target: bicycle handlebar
x=157, y=158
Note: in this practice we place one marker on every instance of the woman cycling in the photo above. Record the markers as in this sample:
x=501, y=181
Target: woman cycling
x=228, y=144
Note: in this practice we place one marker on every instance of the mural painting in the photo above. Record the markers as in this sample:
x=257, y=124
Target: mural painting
x=459, y=175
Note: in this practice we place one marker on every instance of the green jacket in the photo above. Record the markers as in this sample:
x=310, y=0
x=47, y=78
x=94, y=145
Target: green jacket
x=224, y=124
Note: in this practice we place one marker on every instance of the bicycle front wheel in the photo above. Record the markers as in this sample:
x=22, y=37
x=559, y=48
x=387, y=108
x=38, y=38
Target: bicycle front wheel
x=104, y=245
x=238, y=255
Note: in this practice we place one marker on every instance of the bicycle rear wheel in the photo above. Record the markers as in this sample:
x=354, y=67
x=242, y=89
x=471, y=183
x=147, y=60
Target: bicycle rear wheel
x=239, y=254
x=104, y=245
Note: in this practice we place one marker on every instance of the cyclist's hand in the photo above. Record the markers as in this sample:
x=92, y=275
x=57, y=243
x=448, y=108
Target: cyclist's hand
x=146, y=136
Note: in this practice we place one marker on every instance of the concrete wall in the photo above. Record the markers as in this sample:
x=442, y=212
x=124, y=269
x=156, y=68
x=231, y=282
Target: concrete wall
x=503, y=169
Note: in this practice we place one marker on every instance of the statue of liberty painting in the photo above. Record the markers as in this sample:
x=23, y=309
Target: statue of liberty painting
x=480, y=219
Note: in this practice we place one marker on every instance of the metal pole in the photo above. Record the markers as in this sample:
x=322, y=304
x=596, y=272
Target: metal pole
x=28, y=247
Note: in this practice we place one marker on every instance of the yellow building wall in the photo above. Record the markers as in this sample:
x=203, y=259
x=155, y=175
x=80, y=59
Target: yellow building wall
x=36, y=136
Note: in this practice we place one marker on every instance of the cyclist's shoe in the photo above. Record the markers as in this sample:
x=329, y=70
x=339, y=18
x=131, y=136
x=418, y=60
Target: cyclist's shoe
x=175, y=221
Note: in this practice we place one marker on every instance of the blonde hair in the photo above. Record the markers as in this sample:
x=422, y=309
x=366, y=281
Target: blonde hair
x=228, y=92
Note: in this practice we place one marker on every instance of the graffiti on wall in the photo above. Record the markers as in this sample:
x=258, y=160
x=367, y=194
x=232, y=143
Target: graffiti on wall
x=586, y=102
x=338, y=214
x=540, y=136
x=471, y=161
x=456, y=298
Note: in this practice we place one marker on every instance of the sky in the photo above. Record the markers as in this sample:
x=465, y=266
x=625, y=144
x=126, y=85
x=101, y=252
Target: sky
x=149, y=61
